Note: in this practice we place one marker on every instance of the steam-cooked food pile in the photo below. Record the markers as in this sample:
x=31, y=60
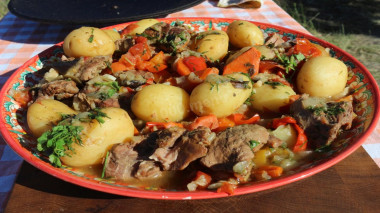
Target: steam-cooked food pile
x=158, y=103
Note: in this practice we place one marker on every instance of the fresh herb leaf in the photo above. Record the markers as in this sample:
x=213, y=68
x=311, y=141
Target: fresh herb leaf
x=105, y=164
x=274, y=84
x=328, y=110
x=289, y=62
x=98, y=115
x=55, y=142
x=253, y=144
x=91, y=38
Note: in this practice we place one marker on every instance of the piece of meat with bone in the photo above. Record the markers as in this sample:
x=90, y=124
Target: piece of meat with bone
x=128, y=160
x=133, y=78
x=93, y=66
x=123, y=45
x=59, y=89
x=121, y=162
x=191, y=146
x=235, y=145
x=167, y=149
x=168, y=38
x=322, y=119
x=178, y=147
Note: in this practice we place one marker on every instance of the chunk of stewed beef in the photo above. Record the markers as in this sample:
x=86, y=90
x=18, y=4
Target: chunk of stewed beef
x=234, y=145
x=92, y=67
x=59, y=89
x=322, y=119
x=129, y=160
x=180, y=147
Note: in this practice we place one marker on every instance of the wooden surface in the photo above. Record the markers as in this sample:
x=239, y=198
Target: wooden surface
x=352, y=185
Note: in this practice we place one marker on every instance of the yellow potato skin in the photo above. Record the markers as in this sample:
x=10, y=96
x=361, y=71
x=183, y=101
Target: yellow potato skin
x=98, y=138
x=244, y=33
x=219, y=99
x=43, y=115
x=213, y=44
x=322, y=76
x=161, y=103
x=114, y=35
x=267, y=97
x=142, y=26
x=78, y=43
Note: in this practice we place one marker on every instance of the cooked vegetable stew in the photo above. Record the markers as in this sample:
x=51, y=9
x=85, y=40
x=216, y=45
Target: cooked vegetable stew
x=166, y=106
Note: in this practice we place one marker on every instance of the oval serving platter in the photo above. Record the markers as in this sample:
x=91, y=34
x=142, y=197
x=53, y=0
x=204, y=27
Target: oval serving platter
x=366, y=98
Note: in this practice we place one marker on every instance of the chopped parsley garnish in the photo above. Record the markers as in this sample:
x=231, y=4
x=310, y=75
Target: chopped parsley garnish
x=329, y=110
x=91, y=38
x=55, y=142
x=289, y=62
x=96, y=114
x=274, y=84
x=105, y=164
x=114, y=88
x=253, y=144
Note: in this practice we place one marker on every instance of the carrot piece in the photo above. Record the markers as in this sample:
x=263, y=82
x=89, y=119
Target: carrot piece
x=273, y=171
x=22, y=97
x=210, y=121
x=141, y=50
x=202, y=180
x=156, y=67
x=224, y=123
x=195, y=63
x=282, y=121
x=161, y=76
x=118, y=66
x=301, y=143
x=140, y=39
x=240, y=119
x=159, y=58
x=246, y=62
x=305, y=47
x=270, y=66
x=128, y=60
x=136, y=131
x=129, y=29
x=162, y=125
x=227, y=187
x=204, y=73
x=182, y=69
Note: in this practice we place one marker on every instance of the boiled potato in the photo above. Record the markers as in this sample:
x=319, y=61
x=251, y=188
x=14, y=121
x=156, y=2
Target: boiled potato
x=140, y=26
x=218, y=96
x=213, y=44
x=244, y=33
x=161, y=103
x=98, y=138
x=270, y=97
x=88, y=41
x=287, y=134
x=114, y=35
x=322, y=76
x=43, y=115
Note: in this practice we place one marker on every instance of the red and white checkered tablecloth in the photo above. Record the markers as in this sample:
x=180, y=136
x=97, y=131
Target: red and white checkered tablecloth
x=22, y=39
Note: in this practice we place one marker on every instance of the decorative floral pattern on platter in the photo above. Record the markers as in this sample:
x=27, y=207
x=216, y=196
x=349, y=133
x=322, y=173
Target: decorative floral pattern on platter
x=13, y=115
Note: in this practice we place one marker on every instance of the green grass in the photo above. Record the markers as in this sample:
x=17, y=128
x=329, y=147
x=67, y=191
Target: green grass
x=364, y=47
x=3, y=8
